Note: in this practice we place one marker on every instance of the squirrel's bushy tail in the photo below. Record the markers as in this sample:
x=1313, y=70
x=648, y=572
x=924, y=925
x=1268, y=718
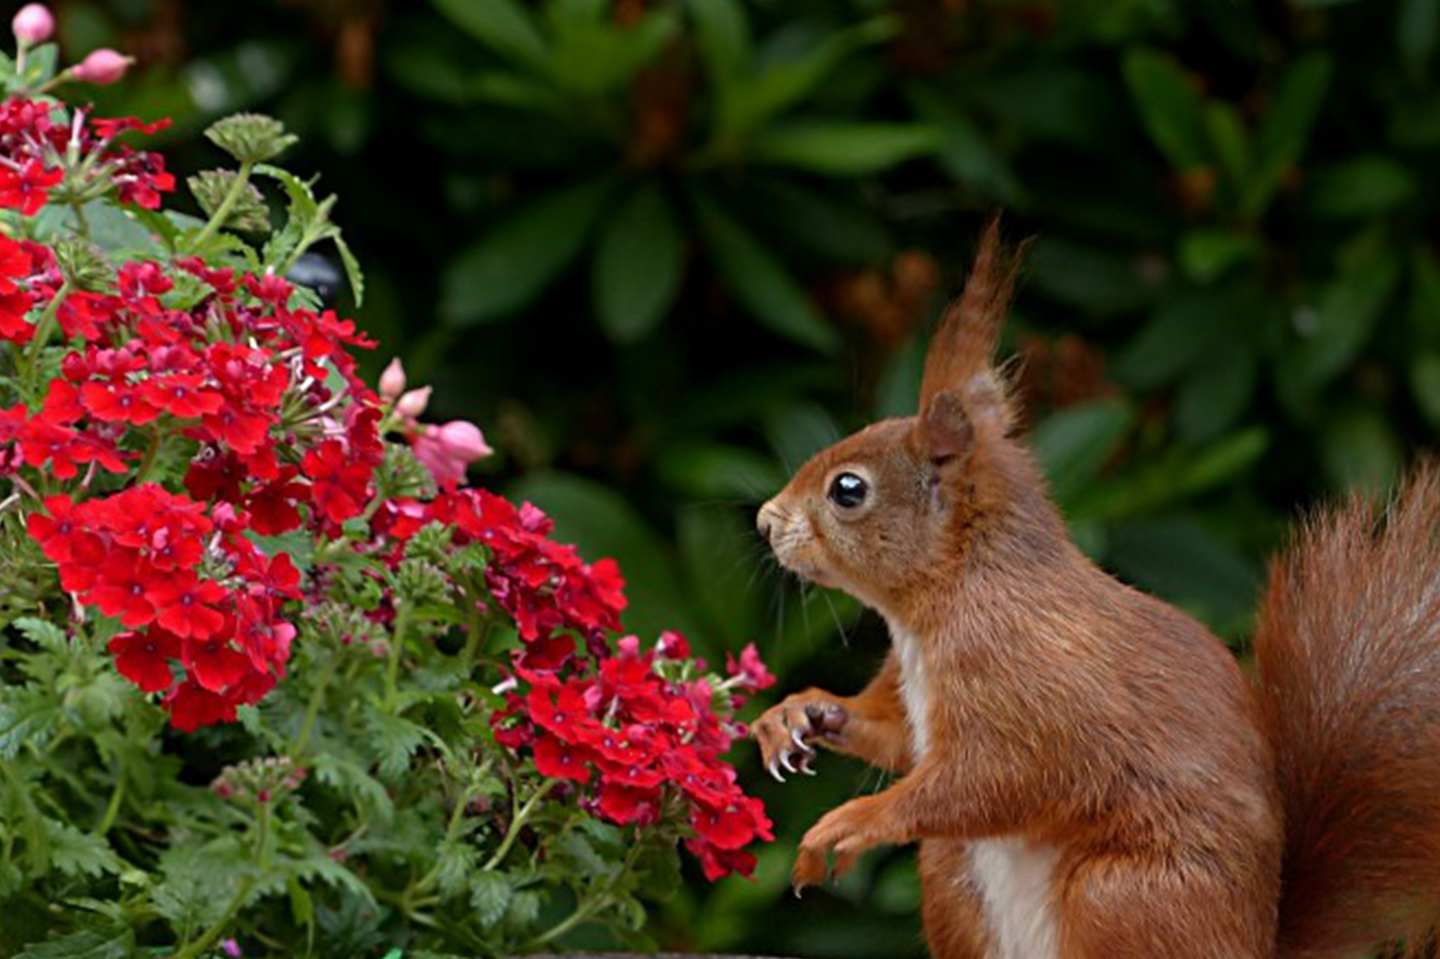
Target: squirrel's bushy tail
x=1348, y=654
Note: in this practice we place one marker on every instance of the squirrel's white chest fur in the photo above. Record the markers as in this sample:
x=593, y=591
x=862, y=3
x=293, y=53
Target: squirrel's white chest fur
x=1013, y=876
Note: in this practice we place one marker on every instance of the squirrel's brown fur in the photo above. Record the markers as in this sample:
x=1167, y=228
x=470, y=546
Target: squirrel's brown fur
x=1088, y=772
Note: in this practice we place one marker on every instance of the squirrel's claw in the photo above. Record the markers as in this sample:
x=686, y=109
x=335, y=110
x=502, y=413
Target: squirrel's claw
x=774, y=770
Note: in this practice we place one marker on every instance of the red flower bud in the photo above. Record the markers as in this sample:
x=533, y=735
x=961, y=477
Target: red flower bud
x=102, y=67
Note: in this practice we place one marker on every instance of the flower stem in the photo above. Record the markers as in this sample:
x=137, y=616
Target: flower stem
x=80, y=221
x=312, y=709
x=208, y=938
x=513, y=833
x=397, y=648
x=222, y=212
x=112, y=809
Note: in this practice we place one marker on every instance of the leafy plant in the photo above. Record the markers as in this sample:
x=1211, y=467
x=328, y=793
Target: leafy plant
x=272, y=679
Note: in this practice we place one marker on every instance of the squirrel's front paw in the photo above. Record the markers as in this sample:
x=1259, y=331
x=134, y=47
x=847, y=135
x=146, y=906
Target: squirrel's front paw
x=787, y=733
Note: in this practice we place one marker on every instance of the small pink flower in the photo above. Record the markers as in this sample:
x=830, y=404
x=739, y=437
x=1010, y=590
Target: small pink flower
x=33, y=24
x=392, y=381
x=231, y=948
x=447, y=451
x=102, y=67
x=750, y=668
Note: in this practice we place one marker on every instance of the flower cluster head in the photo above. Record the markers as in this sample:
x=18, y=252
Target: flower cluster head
x=259, y=782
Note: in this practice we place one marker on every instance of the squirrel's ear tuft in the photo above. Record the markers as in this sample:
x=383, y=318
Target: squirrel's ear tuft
x=964, y=345
x=944, y=430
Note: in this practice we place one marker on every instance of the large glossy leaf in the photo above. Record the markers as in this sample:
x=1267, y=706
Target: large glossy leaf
x=1074, y=444
x=1342, y=322
x=844, y=148
x=759, y=281
x=504, y=26
x=722, y=32
x=509, y=267
x=1285, y=130
x=963, y=149
x=720, y=549
x=1183, y=561
x=1170, y=107
x=833, y=222
x=1360, y=187
x=638, y=264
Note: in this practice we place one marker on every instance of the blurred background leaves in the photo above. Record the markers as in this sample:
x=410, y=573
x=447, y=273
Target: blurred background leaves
x=666, y=249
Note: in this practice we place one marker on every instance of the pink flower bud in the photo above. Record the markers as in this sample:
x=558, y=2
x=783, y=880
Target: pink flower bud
x=413, y=403
x=446, y=451
x=392, y=381
x=33, y=24
x=464, y=441
x=102, y=67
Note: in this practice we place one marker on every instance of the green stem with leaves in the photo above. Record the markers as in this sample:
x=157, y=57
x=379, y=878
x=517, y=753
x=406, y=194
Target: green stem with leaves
x=588, y=906
x=222, y=212
x=211, y=935
x=521, y=817
x=43, y=327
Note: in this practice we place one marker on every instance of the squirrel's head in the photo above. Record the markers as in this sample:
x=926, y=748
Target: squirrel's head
x=883, y=511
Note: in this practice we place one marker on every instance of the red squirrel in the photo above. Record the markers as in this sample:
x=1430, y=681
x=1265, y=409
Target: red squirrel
x=1087, y=770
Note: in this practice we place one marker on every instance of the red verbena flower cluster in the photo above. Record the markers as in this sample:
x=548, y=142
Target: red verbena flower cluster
x=37, y=153
x=627, y=727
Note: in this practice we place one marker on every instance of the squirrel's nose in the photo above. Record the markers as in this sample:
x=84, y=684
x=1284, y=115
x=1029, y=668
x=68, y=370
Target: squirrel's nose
x=765, y=521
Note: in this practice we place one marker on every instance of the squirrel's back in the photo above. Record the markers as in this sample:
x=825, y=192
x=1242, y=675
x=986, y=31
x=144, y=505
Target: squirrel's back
x=1348, y=656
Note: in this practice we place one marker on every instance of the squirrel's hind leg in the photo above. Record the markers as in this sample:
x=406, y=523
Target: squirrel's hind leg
x=951, y=908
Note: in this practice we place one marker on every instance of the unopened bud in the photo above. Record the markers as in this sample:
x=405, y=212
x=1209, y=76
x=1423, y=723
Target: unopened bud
x=250, y=137
x=392, y=381
x=33, y=24
x=102, y=67
x=413, y=403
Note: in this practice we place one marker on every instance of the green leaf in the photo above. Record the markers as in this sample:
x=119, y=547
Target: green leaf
x=1285, y=129
x=1417, y=30
x=28, y=716
x=1075, y=443
x=708, y=471
x=1170, y=107
x=1216, y=394
x=963, y=149
x=1360, y=187
x=834, y=148
x=638, y=264
x=1180, y=560
x=833, y=223
x=1229, y=140
x=1349, y=307
x=504, y=26
x=353, y=273
x=759, y=281
x=113, y=942
x=1425, y=384
x=394, y=739
x=43, y=633
x=75, y=853
x=490, y=896
x=717, y=545
x=1208, y=254
x=1360, y=449
x=508, y=268
x=722, y=32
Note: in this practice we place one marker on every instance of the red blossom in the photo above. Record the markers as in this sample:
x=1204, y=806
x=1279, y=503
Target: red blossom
x=28, y=188
x=144, y=658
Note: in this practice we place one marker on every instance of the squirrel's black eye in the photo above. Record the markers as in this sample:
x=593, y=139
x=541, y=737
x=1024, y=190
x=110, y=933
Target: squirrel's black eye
x=848, y=491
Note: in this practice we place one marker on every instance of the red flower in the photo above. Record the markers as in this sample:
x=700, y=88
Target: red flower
x=561, y=760
x=181, y=394
x=192, y=706
x=214, y=663
x=144, y=658
x=338, y=487
x=125, y=591
x=28, y=188
x=117, y=402
x=185, y=606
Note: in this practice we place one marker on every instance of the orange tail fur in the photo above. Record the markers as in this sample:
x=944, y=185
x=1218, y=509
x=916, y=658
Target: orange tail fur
x=1348, y=651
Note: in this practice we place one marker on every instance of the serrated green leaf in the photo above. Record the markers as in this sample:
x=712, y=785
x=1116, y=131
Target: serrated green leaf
x=27, y=717
x=353, y=272
x=844, y=149
x=491, y=896
x=394, y=739
x=638, y=263
x=759, y=281
x=457, y=861
x=43, y=633
x=113, y=942
x=512, y=265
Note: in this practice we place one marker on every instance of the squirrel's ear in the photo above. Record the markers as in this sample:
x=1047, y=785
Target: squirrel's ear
x=944, y=430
